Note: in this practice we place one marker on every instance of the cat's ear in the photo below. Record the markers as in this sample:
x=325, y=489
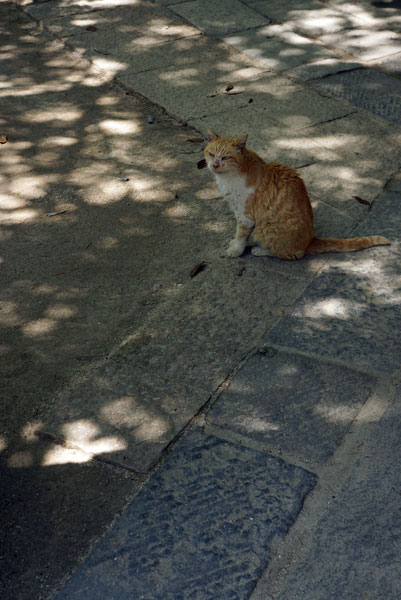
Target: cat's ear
x=242, y=142
x=211, y=135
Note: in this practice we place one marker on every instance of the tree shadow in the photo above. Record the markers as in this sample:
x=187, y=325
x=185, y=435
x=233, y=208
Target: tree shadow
x=98, y=204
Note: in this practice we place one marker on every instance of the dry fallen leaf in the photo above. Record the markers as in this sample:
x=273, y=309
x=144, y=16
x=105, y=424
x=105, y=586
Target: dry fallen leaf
x=229, y=87
x=54, y=214
x=195, y=139
x=201, y=164
x=362, y=201
x=3, y=138
x=198, y=268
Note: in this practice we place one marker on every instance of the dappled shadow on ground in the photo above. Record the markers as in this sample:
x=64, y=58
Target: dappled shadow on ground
x=96, y=206
x=94, y=197
x=103, y=215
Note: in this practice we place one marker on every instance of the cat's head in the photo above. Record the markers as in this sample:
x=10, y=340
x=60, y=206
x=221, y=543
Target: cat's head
x=224, y=154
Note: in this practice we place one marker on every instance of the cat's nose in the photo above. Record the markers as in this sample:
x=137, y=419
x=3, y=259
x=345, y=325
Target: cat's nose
x=216, y=164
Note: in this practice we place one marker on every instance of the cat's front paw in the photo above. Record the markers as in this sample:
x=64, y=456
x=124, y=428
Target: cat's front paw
x=236, y=248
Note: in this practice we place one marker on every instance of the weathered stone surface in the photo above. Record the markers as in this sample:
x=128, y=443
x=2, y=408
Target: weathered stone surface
x=197, y=89
x=291, y=403
x=351, y=137
x=351, y=311
x=337, y=183
x=322, y=68
x=48, y=11
x=179, y=53
x=364, y=43
x=392, y=63
x=200, y=527
x=65, y=20
x=356, y=166
x=122, y=416
x=292, y=104
x=355, y=551
x=207, y=314
x=218, y=17
x=289, y=12
x=124, y=30
x=68, y=501
x=277, y=47
x=371, y=13
x=371, y=90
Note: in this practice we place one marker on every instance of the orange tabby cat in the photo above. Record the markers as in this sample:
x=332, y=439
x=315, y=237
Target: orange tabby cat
x=270, y=201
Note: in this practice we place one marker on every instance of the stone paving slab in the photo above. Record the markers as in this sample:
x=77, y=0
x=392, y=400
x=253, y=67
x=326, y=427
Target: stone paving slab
x=351, y=137
x=285, y=12
x=291, y=104
x=380, y=14
x=351, y=310
x=204, y=315
x=322, y=68
x=278, y=48
x=178, y=53
x=125, y=29
x=195, y=89
x=291, y=403
x=200, y=527
x=130, y=408
x=218, y=18
x=371, y=90
x=355, y=550
x=365, y=43
x=392, y=63
x=49, y=10
x=76, y=20
x=121, y=415
x=332, y=17
x=357, y=167
x=319, y=19
x=338, y=184
x=67, y=503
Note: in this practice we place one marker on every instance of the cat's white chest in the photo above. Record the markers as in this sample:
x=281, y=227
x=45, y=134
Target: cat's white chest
x=233, y=187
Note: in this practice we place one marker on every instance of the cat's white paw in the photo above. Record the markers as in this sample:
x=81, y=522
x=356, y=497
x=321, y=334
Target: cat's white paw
x=235, y=248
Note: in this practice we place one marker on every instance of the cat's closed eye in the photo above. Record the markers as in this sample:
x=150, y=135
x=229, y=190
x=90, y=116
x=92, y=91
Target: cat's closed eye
x=210, y=154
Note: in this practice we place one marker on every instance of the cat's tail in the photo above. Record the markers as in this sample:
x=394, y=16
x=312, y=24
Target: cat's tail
x=347, y=245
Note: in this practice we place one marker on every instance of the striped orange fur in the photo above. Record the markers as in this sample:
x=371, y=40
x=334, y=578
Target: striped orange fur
x=270, y=200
